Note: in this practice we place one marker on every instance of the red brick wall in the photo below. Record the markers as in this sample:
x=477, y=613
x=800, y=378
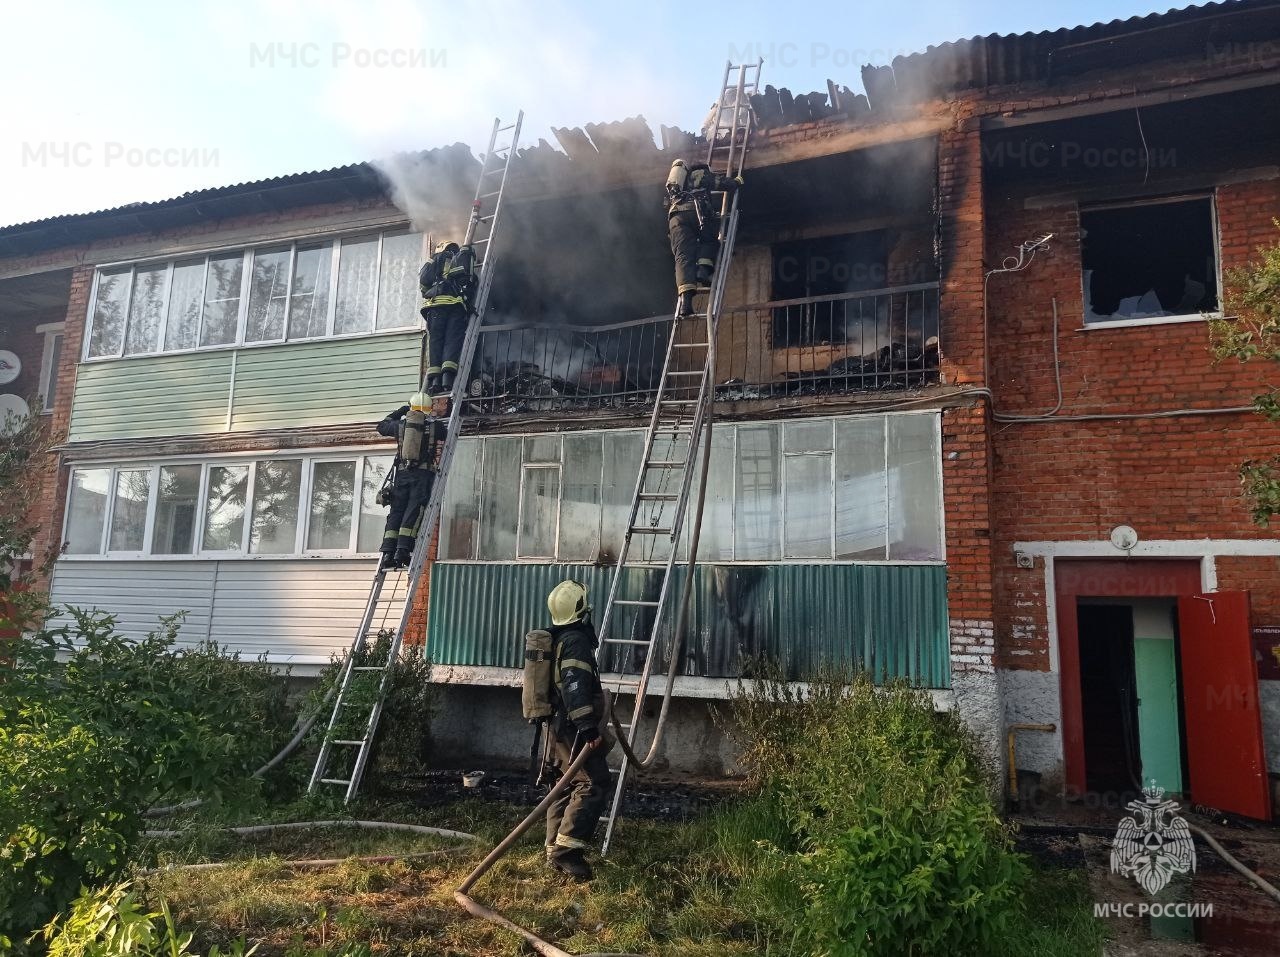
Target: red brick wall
x=1170, y=478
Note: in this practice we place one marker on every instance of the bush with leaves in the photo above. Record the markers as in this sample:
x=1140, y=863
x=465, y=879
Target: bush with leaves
x=94, y=728
x=898, y=848
x=1253, y=332
x=403, y=740
x=111, y=922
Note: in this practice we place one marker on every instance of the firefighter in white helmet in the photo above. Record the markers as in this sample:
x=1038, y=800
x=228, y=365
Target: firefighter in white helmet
x=693, y=223
x=447, y=283
x=408, y=486
x=578, y=717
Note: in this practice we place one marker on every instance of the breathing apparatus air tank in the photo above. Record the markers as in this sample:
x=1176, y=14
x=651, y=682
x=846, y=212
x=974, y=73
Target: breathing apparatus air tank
x=413, y=426
x=676, y=178
x=536, y=695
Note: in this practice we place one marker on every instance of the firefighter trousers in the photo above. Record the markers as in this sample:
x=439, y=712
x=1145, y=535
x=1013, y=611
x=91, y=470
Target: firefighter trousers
x=409, y=496
x=446, y=328
x=694, y=247
x=572, y=817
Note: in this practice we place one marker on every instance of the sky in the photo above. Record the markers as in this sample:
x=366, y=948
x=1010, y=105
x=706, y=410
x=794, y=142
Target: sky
x=112, y=103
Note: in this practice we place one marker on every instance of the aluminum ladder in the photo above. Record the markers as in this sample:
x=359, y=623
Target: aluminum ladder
x=681, y=412
x=369, y=694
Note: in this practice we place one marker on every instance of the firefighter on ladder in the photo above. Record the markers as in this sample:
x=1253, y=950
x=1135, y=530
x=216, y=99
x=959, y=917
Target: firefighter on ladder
x=693, y=221
x=447, y=282
x=408, y=486
x=562, y=683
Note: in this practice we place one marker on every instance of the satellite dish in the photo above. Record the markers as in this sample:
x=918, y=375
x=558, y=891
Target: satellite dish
x=13, y=411
x=10, y=366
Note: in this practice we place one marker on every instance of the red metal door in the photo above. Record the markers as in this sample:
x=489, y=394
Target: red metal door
x=1225, y=756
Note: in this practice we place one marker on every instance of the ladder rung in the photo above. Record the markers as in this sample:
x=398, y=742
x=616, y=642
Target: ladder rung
x=358, y=744
x=659, y=496
x=368, y=667
x=635, y=601
x=679, y=401
x=496, y=192
x=620, y=684
x=690, y=345
x=649, y=530
x=666, y=464
x=334, y=781
x=503, y=129
x=671, y=372
x=626, y=641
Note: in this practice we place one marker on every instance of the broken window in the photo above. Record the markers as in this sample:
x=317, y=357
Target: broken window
x=1149, y=260
x=829, y=266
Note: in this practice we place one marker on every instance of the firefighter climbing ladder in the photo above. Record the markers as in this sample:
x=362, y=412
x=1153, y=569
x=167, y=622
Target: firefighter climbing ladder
x=681, y=413
x=482, y=228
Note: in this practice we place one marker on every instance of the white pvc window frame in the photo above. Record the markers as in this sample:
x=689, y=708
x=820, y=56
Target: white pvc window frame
x=939, y=510
x=309, y=459
x=246, y=284
x=54, y=334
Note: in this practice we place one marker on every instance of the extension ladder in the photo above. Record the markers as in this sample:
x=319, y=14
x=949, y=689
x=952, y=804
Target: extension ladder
x=681, y=412
x=482, y=228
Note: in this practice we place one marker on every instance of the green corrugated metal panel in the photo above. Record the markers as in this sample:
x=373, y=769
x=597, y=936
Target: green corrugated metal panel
x=329, y=382
x=888, y=619
x=156, y=395
x=325, y=383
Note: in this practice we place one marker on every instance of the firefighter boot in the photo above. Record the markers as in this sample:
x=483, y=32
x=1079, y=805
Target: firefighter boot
x=571, y=863
x=433, y=383
x=686, y=304
x=446, y=381
x=704, y=276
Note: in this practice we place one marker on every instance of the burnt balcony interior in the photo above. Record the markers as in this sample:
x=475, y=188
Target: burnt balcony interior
x=833, y=289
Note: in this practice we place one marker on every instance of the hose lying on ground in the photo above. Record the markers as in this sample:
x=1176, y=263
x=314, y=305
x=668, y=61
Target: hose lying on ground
x=474, y=907
x=304, y=825
x=1257, y=880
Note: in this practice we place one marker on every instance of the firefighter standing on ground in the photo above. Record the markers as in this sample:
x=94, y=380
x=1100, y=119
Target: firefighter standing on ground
x=693, y=221
x=414, y=472
x=447, y=283
x=577, y=706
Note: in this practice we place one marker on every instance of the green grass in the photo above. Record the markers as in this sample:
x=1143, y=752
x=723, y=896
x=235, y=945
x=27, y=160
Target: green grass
x=715, y=886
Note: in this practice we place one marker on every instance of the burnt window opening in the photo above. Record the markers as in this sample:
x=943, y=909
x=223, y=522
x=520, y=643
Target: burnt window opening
x=1149, y=260
x=829, y=266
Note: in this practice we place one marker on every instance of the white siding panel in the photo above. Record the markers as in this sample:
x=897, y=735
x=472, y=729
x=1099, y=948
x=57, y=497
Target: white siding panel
x=139, y=593
x=293, y=611
x=299, y=612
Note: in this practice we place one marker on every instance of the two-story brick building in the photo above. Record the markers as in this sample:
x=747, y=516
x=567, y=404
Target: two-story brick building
x=922, y=446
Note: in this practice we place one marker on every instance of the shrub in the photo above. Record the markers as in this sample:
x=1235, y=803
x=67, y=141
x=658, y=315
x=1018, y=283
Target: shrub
x=96, y=727
x=111, y=922
x=900, y=849
x=403, y=740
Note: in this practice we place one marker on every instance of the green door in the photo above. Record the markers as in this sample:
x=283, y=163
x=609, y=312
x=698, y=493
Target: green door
x=1159, y=738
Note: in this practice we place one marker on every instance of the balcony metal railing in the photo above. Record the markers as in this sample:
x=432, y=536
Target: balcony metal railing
x=854, y=342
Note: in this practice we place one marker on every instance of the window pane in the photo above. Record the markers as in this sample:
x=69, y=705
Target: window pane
x=860, y=488
x=129, y=512
x=87, y=510
x=460, y=513
x=542, y=449
x=759, y=520
x=500, y=499
x=176, y=504
x=915, y=520
x=107, y=334
x=807, y=524
x=580, y=501
x=715, y=541
x=275, y=508
x=398, y=281
x=309, y=301
x=373, y=517
x=222, y=300
x=622, y=453
x=332, y=486
x=807, y=436
x=145, y=310
x=540, y=501
x=183, y=328
x=268, y=287
x=224, y=507
x=357, y=285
